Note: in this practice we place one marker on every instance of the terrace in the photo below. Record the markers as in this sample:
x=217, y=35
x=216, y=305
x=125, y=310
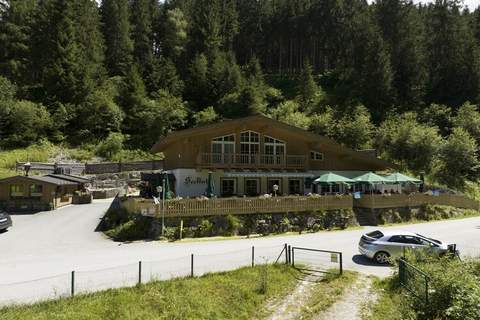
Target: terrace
x=289, y=204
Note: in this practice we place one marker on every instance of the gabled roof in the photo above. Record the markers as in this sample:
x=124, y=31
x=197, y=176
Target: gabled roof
x=173, y=137
x=41, y=179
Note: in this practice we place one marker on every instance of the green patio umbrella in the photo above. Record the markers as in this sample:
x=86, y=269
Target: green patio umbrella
x=332, y=178
x=397, y=177
x=166, y=186
x=210, y=186
x=371, y=178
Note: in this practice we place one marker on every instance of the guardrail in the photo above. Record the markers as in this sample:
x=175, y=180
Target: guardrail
x=237, y=160
x=226, y=206
x=377, y=201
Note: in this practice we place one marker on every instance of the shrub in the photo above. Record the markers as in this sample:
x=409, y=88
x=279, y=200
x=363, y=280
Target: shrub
x=233, y=225
x=204, y=229
x=136, y=229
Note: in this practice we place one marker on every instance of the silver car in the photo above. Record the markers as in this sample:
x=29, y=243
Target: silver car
x=383, y=245
x=5, y=221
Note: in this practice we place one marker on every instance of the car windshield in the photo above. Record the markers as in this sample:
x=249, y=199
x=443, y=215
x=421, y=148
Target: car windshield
x=433, y=240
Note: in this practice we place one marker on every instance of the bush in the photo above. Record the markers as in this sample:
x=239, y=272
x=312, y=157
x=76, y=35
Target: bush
x=136, y=229
x=454, y=289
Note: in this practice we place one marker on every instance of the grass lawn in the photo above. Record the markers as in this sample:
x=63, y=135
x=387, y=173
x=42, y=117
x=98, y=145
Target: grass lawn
x=227, y=295
x=327, y=292
x=389, y=305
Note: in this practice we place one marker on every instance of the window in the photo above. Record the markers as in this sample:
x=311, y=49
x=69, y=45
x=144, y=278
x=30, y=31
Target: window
x=294, y=186
x=228, y=187
x=405, y=239
x=36, y=190
x=222, y=146
x=251, y=187
x=17, y=190
x=274, y=150
x=249, y=142
x=316, y=156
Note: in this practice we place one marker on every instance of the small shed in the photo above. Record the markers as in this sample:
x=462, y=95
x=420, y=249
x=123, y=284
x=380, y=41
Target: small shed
x=37, y=193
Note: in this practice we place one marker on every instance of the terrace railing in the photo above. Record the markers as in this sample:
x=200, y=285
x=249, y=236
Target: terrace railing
x=226, y=206
x=377, y=201
x=237, y=160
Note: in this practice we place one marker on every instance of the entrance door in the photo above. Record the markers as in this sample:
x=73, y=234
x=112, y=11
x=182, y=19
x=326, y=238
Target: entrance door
x=294, y=186
x=252, y=187
x=271, y=183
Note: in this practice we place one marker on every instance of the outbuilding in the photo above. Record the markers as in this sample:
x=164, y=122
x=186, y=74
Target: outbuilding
x=38, y=193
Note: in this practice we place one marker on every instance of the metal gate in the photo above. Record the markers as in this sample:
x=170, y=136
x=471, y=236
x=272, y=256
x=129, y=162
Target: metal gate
x=316, y=260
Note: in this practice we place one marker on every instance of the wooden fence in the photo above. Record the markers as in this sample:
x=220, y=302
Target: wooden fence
x=94, y=168
x=225, y=206
x=377, y=201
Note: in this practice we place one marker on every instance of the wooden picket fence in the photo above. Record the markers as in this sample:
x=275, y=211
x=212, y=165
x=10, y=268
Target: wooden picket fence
x=226, y=206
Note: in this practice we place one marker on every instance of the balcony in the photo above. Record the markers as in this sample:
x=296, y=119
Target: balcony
x=250, y=161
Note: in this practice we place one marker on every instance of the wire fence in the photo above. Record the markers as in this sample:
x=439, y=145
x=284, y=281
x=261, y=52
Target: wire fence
x=81, y=282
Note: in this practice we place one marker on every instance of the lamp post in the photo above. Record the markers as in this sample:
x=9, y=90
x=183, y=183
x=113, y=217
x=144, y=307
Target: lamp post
x=275, y=189
x=160, y=189
x=27, y=167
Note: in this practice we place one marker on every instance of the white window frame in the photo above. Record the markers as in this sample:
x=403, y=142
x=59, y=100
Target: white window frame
x=249, y=142
x=314, y=154
x=276, y=143
x=224, y=142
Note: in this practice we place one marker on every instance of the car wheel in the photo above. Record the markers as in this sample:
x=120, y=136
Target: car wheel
x=382, y=257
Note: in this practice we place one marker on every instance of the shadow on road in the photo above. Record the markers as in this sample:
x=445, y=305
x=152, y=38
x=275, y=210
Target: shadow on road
x=364, y=261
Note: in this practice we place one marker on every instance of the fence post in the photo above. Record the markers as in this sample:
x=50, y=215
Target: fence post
x=191, y=266
x=426, y=291
x=293, y=256
x=341, y=263
x=139, y=272
x=253, y=256
x=72, y=285
x=286, y=253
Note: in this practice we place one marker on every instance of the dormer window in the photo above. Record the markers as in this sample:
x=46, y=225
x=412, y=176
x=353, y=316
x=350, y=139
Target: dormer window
x=316, y=156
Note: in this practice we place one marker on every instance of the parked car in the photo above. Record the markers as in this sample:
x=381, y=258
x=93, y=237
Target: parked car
x=383, y=245
x=5, y=221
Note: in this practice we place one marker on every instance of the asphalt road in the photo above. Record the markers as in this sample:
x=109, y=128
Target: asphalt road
x=39, y=252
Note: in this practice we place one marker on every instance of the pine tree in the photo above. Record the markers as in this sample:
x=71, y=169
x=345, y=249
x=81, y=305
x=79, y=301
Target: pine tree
x=453, y=55
x=309, y=91
x=403, y=33
x=142, y=35
x=66, y=72
x=16, y=18
x=116, y=31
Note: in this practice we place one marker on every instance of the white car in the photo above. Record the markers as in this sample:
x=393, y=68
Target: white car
x=383, y=245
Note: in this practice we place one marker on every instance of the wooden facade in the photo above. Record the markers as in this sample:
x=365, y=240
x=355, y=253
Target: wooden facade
x=193, y=149
x=36, y=193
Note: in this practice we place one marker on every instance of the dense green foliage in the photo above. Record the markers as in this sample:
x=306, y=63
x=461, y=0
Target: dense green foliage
x=454, y=292
x=226, y=295
x=121, y=225
x=77, y=72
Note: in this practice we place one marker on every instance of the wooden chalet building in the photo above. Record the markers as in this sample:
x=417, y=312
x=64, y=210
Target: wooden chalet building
x=249, y=156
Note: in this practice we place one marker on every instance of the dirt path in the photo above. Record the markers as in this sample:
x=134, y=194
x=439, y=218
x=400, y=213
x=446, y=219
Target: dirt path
x=349, y=307
x=290, y=307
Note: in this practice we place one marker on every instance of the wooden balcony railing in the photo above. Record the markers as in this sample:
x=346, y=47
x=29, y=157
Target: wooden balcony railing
x=226, y=206
x=377, y=201
x=236, y=160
